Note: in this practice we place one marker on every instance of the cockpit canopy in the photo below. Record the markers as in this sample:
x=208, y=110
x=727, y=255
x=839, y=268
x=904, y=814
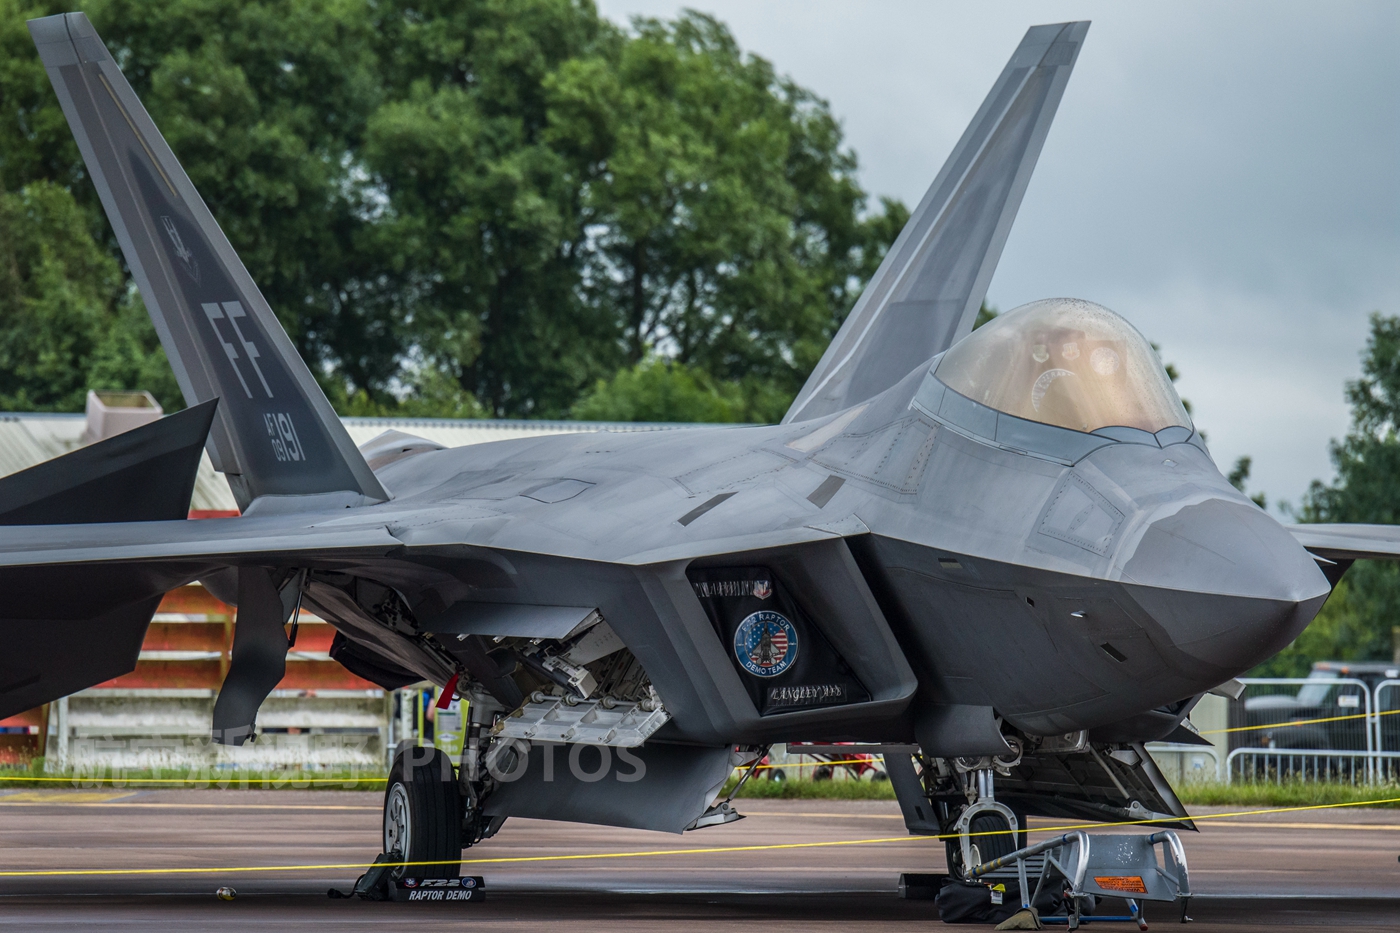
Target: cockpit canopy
x=1065, y=362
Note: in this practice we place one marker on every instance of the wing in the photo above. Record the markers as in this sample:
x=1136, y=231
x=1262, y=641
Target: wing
x=274, y=433
x=1350, y=542
x=926, y=293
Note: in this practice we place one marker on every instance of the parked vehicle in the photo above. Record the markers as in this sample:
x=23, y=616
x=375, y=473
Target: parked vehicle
x=1385, y=704
x=1327, y=712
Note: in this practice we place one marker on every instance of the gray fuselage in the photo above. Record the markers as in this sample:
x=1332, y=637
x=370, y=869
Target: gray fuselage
x=1065, y=597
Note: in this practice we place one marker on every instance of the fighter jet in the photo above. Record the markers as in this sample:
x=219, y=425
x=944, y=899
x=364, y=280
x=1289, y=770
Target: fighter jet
x=1004, y=557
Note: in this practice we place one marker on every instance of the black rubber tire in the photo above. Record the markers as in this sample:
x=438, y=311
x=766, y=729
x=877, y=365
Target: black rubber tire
x=822, y=773
x=988, y=847
x=777, y=774
x=434, y=805
x=992, y=847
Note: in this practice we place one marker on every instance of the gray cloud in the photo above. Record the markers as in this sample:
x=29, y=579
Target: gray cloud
x=1225, y=175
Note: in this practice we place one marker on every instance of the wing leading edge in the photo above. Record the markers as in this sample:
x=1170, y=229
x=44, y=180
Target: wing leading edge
x=926, y=293
x=1349, y=542
x=274, y=432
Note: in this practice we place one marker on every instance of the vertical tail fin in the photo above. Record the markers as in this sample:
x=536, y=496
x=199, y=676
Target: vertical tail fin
x=926, y=293
x=274, y=433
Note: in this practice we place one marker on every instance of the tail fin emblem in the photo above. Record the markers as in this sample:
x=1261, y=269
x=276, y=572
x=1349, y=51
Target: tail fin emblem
x=235, y=311
x=182, y=252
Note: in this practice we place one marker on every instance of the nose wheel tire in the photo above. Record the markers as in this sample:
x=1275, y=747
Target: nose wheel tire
x=423, y=814
x=991, y=833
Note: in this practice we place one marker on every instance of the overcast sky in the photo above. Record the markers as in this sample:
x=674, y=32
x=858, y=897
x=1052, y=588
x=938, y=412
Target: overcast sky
x=1225, y=175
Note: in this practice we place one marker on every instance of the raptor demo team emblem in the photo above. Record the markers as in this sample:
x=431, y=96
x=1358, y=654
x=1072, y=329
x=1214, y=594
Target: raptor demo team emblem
x=766, y=643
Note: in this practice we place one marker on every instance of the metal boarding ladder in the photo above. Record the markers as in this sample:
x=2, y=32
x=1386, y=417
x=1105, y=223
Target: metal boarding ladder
x=1119, y=865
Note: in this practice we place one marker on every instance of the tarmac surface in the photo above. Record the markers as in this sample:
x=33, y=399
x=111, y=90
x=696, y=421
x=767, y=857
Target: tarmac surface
x=840, y=866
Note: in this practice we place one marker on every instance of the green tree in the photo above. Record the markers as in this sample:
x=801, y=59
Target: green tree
x=656, y=390
x=65, y=324
x=35, y=142
x=727, y=223
x=445, y=202
x=984, y=314
x=1355, y=623
x=1239, y=476
x=483, y=214
x=265, y=104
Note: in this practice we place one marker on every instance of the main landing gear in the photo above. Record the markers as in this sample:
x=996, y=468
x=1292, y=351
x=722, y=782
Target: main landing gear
x=432, y=811
x=422, y=834
x=423, y=814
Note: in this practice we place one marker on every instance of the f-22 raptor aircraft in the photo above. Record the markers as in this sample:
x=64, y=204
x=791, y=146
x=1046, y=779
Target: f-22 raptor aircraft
x=1005, y=557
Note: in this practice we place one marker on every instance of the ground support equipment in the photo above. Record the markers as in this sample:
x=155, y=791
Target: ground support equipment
x=1124, y=866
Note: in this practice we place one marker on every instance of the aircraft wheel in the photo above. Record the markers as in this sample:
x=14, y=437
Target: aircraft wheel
x=822, y=773
x=423, y=814
x=879, y=776
x=992, y=834
x=777, y=774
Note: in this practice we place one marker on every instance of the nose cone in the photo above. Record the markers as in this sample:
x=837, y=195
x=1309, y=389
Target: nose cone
x=1230, y=584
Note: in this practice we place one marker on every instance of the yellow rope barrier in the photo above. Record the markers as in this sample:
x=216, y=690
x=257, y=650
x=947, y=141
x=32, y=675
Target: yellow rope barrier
x=266, y=779
x=210, y=783
x=816, y=764
x=1301, y=722
x=651, y=853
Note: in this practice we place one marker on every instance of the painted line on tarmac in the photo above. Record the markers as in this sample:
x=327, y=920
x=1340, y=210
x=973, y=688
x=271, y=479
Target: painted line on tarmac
x=649, y=853
x=123, y=805
x=1364, y=827
x=56, y=800
x=500, y=860
x=839, y=816
x=48, y=796
x=221, y=783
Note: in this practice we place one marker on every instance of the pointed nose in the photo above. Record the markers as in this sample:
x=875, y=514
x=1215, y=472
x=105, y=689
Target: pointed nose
x=1230, y=585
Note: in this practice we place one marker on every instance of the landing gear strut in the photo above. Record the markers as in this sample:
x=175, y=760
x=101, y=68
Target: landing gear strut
x=474, y=776
x=985, y=829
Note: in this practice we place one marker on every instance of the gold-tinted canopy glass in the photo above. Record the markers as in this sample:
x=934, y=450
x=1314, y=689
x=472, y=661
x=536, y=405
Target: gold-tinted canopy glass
x=1066, y=362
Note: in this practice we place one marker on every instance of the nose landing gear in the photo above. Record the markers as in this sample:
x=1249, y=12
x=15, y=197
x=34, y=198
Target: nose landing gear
x=985, y=829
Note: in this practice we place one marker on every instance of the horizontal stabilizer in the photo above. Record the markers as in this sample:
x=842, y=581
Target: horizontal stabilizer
x=50, y=658
x=142, y=475
x=925, y=295
x=275, y=433
x=66, y=627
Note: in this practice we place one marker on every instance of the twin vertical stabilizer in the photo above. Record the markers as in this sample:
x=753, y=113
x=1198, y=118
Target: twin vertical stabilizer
x=274, y=433
x=925, y=295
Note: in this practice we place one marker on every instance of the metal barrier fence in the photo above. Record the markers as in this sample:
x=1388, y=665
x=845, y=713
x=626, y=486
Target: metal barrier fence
x=1186, y=764
x=1319, y=728
x=1386, y=726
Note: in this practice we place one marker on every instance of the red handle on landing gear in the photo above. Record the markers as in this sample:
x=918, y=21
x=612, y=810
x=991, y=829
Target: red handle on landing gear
x=448, y=692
